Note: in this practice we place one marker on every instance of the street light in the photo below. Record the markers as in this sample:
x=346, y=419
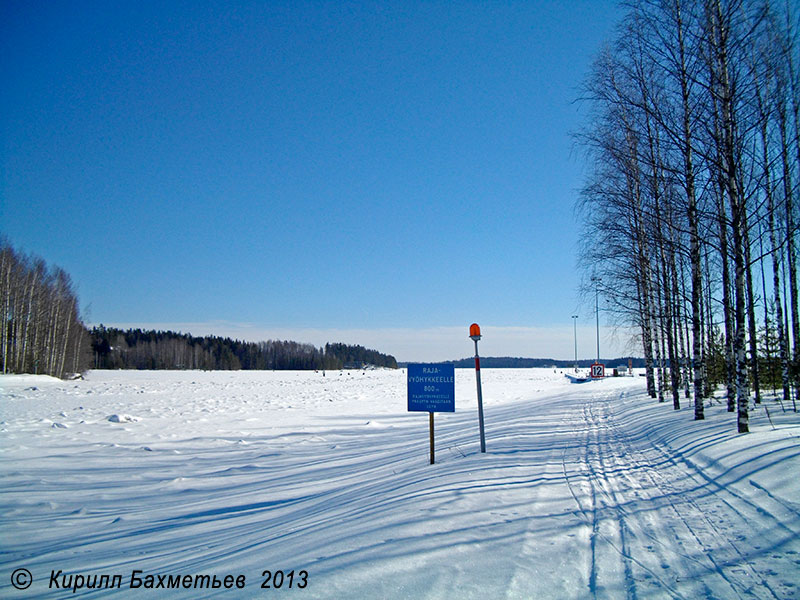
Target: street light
x=597, y=281
x=575, y=331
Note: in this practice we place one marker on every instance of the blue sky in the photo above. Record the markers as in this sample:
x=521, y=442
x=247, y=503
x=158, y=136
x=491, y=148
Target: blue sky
x=325, y=171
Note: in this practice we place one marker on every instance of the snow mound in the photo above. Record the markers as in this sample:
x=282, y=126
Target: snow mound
x=27, y=381
x=122, y=419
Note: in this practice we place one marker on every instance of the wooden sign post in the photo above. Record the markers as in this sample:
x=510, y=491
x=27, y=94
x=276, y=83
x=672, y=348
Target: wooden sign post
x=431, y=388
x=430, y=425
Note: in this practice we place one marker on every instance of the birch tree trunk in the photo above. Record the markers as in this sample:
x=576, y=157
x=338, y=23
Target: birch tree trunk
x=729, y=175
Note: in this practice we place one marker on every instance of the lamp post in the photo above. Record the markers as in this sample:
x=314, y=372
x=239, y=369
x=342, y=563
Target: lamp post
x=575, y=332
x=597, y=281
x=475, y=335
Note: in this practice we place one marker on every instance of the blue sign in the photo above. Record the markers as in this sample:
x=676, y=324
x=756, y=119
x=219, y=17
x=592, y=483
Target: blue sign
x=431, y=388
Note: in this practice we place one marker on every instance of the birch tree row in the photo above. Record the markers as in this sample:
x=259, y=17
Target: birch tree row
x=42, y=329
x=690, y=207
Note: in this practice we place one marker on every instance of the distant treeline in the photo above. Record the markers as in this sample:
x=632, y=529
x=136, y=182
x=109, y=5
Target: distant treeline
x=137, y=349
x=507, y=362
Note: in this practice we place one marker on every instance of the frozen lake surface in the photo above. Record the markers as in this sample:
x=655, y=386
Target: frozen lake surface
x=586, y=491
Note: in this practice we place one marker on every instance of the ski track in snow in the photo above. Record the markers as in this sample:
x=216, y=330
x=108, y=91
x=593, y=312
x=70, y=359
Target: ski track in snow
x=586, y=491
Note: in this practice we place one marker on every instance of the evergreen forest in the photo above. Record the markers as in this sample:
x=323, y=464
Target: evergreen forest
x=137, y=349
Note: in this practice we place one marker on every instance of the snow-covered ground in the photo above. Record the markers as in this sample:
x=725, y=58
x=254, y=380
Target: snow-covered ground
x=586, y=491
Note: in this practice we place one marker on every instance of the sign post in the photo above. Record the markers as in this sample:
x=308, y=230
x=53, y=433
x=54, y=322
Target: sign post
x=475, y=335
x=430, y=427
x=598, y=370
x=431, y=388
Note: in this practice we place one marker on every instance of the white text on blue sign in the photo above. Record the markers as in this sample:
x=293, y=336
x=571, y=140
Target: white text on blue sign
x=431, y=388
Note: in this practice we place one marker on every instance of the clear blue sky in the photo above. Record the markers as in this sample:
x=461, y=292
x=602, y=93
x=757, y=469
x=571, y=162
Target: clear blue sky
x=268, y=168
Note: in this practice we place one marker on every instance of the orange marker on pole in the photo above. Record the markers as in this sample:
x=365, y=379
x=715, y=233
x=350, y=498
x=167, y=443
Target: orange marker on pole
x=475, y=335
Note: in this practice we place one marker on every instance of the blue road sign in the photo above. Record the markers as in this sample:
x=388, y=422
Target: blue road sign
x=431, y=388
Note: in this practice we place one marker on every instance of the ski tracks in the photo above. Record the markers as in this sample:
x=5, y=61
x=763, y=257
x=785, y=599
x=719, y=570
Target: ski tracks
x=659, y=527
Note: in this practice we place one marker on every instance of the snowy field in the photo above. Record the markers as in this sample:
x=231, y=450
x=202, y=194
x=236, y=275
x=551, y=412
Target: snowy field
x=586, y=491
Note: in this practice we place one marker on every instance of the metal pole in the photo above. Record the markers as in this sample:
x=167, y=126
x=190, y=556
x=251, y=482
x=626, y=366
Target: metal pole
x=480, y=396
x=575, y=331
x=597, y=318
x=597, y=311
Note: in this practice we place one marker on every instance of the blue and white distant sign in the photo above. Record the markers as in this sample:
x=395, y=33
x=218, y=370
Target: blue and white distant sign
x=432, y=388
